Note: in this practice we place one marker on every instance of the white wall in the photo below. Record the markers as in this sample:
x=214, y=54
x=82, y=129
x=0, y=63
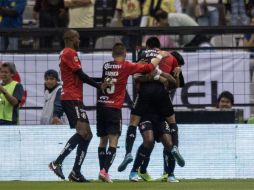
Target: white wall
x=210, y=151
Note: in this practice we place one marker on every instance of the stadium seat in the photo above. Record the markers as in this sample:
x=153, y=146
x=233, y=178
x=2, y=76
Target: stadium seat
x=227, y=40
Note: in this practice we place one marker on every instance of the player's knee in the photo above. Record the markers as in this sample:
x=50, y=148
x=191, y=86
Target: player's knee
x=89, y=136
x=103, y=141
x=173, y=128
x=171, y=119
x=149, y=143
x=134, y=120
x=169, y=145
x=113, y=140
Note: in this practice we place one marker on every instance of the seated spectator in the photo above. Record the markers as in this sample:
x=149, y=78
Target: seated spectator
x=51, y=14
x=180, y=19
x=152, y=6
x=10, y=96
x=225, y=100
x=11, y=12
x=52, y=111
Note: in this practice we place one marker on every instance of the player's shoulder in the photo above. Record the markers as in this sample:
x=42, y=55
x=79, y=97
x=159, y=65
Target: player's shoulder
x=68, y=51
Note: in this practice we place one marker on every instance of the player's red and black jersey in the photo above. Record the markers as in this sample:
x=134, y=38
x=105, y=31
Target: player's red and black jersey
x=167, y=64
x=72, y=85
x=119, y=71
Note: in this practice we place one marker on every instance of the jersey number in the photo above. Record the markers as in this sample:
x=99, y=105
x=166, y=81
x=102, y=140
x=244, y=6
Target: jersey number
x=111, y=89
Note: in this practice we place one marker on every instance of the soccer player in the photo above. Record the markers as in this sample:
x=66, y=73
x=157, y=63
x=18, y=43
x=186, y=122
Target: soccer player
x=109, y=105
x=153, y=128
x=154, y=92
x=73, y=78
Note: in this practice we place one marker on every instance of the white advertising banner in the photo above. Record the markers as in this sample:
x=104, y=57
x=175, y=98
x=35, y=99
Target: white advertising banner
x=206, y=75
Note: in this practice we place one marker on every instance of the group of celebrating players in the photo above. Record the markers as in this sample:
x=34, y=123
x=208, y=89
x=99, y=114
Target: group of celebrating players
x=156, y=73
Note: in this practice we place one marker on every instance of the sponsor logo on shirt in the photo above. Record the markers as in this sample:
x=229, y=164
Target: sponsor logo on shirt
x=112, y=66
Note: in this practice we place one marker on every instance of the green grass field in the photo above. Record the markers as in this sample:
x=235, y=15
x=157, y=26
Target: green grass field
x=124, y=185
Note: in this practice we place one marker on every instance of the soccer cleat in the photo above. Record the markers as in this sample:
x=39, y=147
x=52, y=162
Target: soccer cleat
x=172, y=179
x=145, y=176
x=77, y=177
x=133, y=176
x=127, y=159
x=104, y=176
x=164, y=177
x=176, y=154
x=57, y=169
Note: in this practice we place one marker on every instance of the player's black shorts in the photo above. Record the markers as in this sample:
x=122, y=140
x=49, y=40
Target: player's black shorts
x=109, y=121
x=153, y=96
x=74, y=110
x=155, y=123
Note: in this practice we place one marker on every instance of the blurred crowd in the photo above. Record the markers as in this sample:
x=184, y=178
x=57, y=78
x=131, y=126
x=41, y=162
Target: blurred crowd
x=126, y=13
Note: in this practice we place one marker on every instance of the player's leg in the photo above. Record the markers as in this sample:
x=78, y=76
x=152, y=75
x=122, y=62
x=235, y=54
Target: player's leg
x=148, y=139
x=165, y=109
x=143, y=153
x=69, y=108
x=131, y=132
x=168, y=159
x=110, y=156
x=129, y=141
x=83, y=128
x=102, y=134
x=113, y=124
x=102, y=151
x=174, y=133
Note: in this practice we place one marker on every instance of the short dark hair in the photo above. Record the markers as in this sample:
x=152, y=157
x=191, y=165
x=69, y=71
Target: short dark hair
x=160, y=14
x=178, y=57
x=118, y=50
x=10, y=66
x=51, y=73
x=69, y=34
x=228, y=95
x=153, y=42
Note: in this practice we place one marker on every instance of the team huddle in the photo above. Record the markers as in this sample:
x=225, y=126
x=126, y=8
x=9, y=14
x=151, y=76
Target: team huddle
x=156, y=73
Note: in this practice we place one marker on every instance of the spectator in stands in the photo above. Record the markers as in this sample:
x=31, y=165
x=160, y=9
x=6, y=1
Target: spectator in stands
x=238, y=9
x=152, y=6
x=81, y=15
x=11, y=12
x=10, y=96
x=129, y=12
x=206, y=12
x=248, y=41
x=51, y=14
x=52, y=111
x=165, y=19
x=225, y=100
